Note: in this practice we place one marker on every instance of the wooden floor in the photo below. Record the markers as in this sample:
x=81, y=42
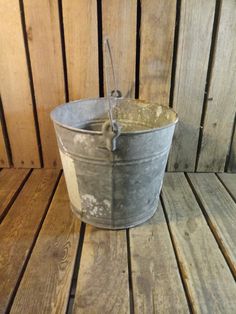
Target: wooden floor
x=182, y=260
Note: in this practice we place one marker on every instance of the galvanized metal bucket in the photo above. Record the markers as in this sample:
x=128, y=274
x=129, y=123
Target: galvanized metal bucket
x=114, y=177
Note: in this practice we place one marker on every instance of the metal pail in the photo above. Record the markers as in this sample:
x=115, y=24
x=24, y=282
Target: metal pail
x=114, y=188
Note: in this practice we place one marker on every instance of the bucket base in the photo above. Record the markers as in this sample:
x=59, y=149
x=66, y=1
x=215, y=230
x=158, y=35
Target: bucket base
x=120, y=224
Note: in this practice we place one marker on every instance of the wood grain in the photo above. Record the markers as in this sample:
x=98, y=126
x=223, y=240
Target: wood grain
x=221, y=103
x=196, y=23
x=49, y=272
x=119, y=24
x=157, y=286
x=103, y=276
x=209, y=282
x=221, y=212
x=4, y=161
x=43, y=34
x=19, y=228
x=156, y=49
x=15, y=88
x=11, y=181
x=81, y=41
x=229, y=180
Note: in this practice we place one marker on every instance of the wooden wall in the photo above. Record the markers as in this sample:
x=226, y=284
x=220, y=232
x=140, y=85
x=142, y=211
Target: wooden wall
x=181, y=54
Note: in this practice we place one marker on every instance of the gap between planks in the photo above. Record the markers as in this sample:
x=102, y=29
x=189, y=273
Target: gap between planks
x=76, y=270
x=12, y=182
x=229, y=182
x=180, y=268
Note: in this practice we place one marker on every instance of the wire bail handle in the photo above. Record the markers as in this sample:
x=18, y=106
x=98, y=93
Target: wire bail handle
x=110, y=129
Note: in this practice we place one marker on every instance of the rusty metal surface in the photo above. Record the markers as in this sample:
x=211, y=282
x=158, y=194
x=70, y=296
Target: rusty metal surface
x=114, y=189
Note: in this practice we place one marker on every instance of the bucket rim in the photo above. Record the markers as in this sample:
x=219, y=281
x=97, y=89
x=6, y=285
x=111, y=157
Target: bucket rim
x=84, y=131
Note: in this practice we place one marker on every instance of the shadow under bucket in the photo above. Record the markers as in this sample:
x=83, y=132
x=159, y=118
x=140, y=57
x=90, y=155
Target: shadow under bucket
x=120, y=188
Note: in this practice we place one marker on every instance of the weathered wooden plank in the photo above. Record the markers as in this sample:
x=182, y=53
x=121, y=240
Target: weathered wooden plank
x=221, y=103
x=119, y=24
x=19, y=228
x=229, y=181
x=196, y=23
x=15, y=88
x=81, y=41
x=232, y=157
x=11, y=181
x=43, y=34
x=46, y=282
x=207, y=277
x=157, y=286
x=221, y=212
x=104, y=258
x=156, y=49
x=4, y=161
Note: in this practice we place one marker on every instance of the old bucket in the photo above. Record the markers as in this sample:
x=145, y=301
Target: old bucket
x=114, y=179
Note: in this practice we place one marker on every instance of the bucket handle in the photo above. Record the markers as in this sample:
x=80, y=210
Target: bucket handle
x=110, y=129
x=110, y=135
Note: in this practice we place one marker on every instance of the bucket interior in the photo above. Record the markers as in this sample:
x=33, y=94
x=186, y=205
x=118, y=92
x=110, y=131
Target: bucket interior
x=133, y=115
